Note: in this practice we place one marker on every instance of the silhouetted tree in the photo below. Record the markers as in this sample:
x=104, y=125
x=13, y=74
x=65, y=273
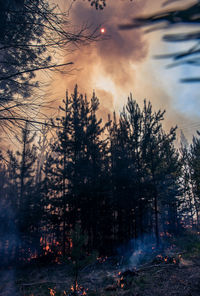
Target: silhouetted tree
x=187, y=209
x=195, y=174
x=142, y=158
x=22, y=168
x=76, y=167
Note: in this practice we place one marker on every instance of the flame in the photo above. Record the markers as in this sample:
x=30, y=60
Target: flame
x=72, y=288
x=51, y=246
x=78, y=289
x=168, y=259
x=70, y=243
x=47, y=248
x=52, y=292
x=102, y=259
x=120, y=280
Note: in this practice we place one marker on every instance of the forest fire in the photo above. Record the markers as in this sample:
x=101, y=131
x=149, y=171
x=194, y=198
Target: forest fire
x=77, y=181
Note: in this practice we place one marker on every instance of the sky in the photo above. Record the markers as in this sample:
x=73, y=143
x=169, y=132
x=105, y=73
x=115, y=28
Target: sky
x=123, y=63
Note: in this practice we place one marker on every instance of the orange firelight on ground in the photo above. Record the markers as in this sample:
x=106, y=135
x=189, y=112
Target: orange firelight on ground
x=103, y=30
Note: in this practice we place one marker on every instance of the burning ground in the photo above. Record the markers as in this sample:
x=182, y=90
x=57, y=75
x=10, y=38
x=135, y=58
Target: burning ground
x=170, y=270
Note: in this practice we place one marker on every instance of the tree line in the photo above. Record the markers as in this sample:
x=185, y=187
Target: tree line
x=118, y=181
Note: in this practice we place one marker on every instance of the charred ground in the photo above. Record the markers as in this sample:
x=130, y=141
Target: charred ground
x=174, y=269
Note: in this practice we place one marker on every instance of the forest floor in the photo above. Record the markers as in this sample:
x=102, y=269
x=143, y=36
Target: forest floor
x=175, y=272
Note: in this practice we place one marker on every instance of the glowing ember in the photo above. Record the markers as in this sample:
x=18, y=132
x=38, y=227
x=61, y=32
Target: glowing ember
x=78, y=289
x=70, y=243
x=102, y=259
x=102, y=30
x=167, y=259
x=72, y=287
x=122, y=286
x=47, y=248
x=52, y=292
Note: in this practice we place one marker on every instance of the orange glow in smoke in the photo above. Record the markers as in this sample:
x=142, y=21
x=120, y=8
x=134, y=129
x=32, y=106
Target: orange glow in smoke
x=102, y=30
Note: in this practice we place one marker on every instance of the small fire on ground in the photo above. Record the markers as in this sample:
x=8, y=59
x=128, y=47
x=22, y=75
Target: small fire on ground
x=52, y=292
x=78, y=289
x=120, y=280
x=74, y=290
x=102, y=259
x=168, y=259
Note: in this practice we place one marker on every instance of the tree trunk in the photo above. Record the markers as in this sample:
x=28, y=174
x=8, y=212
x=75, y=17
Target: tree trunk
x=156, y=218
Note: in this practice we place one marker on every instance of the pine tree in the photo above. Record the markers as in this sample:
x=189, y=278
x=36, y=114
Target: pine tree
x=8, y=231
x=195, y=174
x=77, y=166
x=22, y=167
x=142, y=158
x=187, y=208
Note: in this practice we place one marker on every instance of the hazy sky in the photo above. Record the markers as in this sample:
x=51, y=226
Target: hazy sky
x=124, y=63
